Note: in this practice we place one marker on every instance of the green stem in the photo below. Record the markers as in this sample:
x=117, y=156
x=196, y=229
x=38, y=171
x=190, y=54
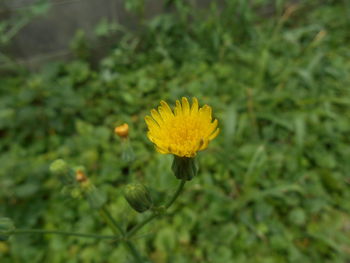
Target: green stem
x=58, y=232
x=117, y=228
x=134, y=251
x=141, y=224
x=176, y=195
x=110, y=221
x=155, y=214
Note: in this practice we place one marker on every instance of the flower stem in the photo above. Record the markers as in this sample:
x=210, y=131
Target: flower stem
x=141, y=225
x=117, y=228
x=134, y=251
x=111, y=221
x=155, y=214
x=176, y=195
x=58, y=232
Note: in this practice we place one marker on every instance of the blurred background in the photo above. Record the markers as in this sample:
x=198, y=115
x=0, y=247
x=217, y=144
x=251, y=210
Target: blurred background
x=272, y=187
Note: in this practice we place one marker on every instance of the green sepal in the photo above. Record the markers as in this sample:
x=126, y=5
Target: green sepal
x=95, y=198
x=138, y=197
x=184, y=168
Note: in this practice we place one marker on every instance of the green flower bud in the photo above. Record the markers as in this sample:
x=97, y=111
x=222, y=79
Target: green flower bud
x=61, y=168
x=6, y=228
x=138, y=197
x=184, y=168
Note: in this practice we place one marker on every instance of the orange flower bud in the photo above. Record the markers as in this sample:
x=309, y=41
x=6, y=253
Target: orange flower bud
x=80, y=176
x=122, y=130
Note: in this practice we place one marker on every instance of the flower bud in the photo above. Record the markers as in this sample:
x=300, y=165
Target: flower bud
x=138, y=197
x=184, y=168
x=122, y=130
x=6, y=228
x=80, y=176
x=61, y=168
x=93, y=195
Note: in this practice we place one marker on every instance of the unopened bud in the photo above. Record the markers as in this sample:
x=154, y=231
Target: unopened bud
x=138, y=197
x=6, y=228
x=122, y=130
x=184, y=168
x=93, y=195
x=80, y=176
x=59, y=167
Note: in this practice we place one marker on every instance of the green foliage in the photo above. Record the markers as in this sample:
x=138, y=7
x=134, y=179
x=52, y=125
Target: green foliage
x=273, y=186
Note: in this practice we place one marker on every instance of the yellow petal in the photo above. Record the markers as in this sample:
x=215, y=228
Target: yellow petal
x=214, y=134
x=163, y=112
x=185, y=106
x=156, y=116
x=200, y=144
x=160, y=150
x=204, y=145
x=150, y=137
x=212, y=127
x=166, y=108
x=178, y=109
x=205, y=112
x=194, y=107
x=151, y=123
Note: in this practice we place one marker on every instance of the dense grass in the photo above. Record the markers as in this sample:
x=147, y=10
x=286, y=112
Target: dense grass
x=274, y=185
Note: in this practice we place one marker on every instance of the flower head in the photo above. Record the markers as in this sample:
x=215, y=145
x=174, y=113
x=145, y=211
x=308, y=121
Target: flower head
x=183, y=132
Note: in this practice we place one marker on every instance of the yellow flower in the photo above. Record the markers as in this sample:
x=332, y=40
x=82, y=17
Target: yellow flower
x=183, y=132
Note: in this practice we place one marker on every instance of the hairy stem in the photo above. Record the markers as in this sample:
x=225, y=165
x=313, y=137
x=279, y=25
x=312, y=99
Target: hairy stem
x=58, y=232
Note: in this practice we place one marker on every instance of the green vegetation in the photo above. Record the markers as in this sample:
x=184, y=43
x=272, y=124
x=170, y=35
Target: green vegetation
x=272, y=187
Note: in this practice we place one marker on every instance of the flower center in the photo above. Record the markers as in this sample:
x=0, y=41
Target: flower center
x=184, y=131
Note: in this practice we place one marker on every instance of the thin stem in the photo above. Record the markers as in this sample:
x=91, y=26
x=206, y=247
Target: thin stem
x=113, y=224
x=141, y=225
x=111, y=221
x=176, y=195
x=58, y=232
x=134, y=251
x=155, y=214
